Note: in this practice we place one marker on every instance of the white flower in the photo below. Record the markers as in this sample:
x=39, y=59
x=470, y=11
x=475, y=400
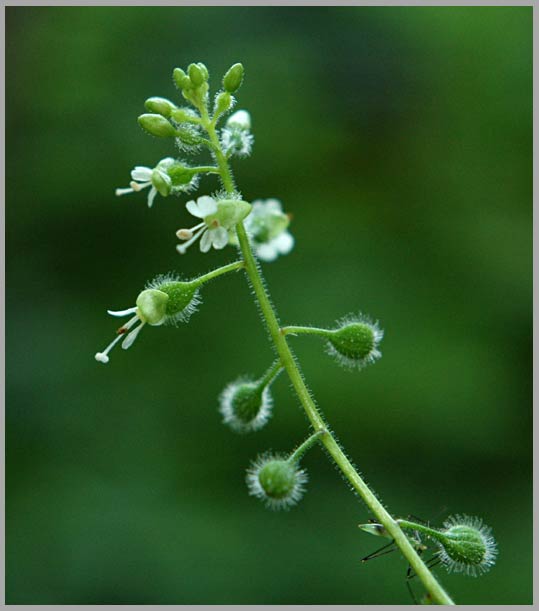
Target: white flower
x=236, y=138
x=217, y=218
x=156, y=178
x=268, y=227
x=241, y=119
x=103, y=357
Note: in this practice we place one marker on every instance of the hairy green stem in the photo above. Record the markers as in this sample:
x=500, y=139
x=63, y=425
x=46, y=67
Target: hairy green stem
x=317, y=421
x=306, y=331
x=306, y=445
x=215, y=273
x=270, y=374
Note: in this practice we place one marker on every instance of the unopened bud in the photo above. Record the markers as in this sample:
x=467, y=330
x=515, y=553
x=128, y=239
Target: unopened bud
x=233, y=78
x=355, y=343
x=181, y=80
x=196, y=75
x=156, y=125
x=161, y=106
x=245, y=405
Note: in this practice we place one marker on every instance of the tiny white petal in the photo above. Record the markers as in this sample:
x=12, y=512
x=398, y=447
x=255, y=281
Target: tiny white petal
x=151, y=196
x=207, y=205
x=266, y=252
x=192, y=208
x=131, y=337
x=122, y=312
x=273, y=205
x=141, y=173
x=219, y=237
x=284, y=243
x=206, y=241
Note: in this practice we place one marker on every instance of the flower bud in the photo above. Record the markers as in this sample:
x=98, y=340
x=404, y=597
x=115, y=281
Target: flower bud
x=466, y=545
x=196, y=75
x=223, y=102
x=204, y=71
x=156, y=125
x=180, y=174
x=355, y=343
x=181, y=80
x=275, y=480
x=160, y=106
x=152, y=306
x=233, y=78
x=245, y=405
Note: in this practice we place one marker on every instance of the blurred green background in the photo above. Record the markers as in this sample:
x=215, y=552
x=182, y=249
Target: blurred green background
x=400, y=139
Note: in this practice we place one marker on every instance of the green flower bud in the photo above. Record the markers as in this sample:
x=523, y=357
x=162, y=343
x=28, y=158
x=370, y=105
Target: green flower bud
x=181, y=80
x=196, y=75
x=275, y=480
x=156, y=125
x=160, y=106
x=466, y=545
x=180, y=175
x=152, y=306
x=223, y=102
x=355, y=343
x=204, y=71
x=233, y=78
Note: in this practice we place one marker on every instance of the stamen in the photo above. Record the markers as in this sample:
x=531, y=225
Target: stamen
x=102, y=357
x=138, y=186
x=181, y=249
x=187, y=234
x=123, y=191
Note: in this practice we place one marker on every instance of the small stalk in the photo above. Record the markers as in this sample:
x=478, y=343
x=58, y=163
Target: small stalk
x=215, y=273
x=306, y=445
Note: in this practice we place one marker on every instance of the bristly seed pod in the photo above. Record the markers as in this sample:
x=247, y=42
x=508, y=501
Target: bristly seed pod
x=233, y=78
x=245, y=405
x=355, y=343
x=466, y=545
x=277, y=481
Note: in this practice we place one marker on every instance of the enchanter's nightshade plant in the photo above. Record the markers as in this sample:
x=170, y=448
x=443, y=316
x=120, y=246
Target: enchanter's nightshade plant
x=261, y=230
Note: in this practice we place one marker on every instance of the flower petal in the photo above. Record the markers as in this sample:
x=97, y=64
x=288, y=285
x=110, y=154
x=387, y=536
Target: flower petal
x=219, y=237
x=151, y=196
x=122, y=312
x=284, y=243
x=192, y=208
x=207, y=205
x=131, y=337
x=205, y=242
x=266, y=252
x=141, y=173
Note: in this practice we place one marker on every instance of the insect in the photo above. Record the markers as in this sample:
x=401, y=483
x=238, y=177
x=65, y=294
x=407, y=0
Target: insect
x=374, y=528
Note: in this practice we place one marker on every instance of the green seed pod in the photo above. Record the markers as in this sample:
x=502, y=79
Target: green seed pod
x=233, y=78
x=180, y=175
x=160, y=106
x=245, y=405
x=182, y=298
x=156, y=125
x=466, y=545
x=355, y=343
x=196, y=75
x=181, y=80
x=275, y=480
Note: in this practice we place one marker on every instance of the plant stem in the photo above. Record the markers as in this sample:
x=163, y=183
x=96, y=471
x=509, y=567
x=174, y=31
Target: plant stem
x=292, y=368
x=270, y=374
x=215, y=273
x=306, y=331
x=306, y=445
